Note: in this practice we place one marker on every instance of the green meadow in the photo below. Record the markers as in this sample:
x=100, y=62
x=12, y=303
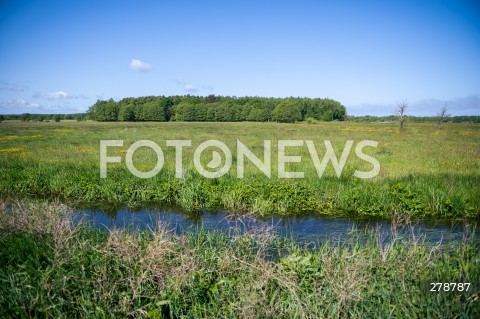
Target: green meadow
x=426, y=169
x=51, y=268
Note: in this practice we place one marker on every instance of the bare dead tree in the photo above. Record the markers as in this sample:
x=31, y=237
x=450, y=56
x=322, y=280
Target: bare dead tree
x=400, y=112
x=443, y=114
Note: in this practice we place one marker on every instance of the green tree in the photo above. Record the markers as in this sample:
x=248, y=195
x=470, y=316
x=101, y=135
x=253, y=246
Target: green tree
x=153, y=111
x=216, y=108
x=185, y=111
x=288, y=111
x=211, y=99
x=2, y=118
x=56, y=118
x=127, y=113
x=210, y=114
x=323, y=109
x=167, y=103
x=235, y=112
x=25, y=117
x=332, y=110
x=105, y=110
x=220, y=111
x=138, y=112
x=312, y=108
x=259, y=115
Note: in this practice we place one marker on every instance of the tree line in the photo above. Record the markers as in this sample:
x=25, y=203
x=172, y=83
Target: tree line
x=27, y=117
x=214, y=108
x=415, y=119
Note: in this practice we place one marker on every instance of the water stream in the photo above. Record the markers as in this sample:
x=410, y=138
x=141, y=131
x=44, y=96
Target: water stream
x=304, y=229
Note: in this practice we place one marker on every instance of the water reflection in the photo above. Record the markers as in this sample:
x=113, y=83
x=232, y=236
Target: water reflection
x=305, y=229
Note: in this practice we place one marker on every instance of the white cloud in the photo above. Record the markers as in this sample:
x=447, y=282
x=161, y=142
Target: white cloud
x=52, y=95
x=138, y=65
x=58, y=95
x=64, y=108
x=18, y=103
x=19, y=106
x=188, y=87
x=8, y=86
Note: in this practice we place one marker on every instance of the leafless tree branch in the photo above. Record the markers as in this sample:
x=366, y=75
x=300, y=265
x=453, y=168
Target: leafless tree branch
x=443, y=114
x=400, y=112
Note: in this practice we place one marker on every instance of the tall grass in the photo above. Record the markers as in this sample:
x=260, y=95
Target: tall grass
x=425, y=170
x=50, y=268
x=445, y=195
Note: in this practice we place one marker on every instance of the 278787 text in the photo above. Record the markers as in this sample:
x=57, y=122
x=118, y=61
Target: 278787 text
x=452, y=286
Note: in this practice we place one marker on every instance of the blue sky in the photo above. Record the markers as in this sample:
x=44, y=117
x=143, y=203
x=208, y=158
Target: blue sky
x=61, y=56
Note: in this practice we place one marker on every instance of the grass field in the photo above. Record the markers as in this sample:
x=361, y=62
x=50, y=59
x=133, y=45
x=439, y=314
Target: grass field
x=51, y=269
x=426, y=169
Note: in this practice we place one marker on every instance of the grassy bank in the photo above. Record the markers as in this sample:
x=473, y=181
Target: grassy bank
x=49, y=268
x=426, y=169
